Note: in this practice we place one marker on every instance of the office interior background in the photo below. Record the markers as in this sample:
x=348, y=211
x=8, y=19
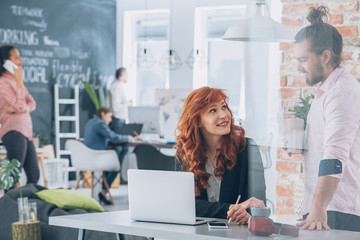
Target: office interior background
x=261, y=79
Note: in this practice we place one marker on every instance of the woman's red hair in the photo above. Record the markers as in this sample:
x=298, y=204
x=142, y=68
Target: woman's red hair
x=190, y=142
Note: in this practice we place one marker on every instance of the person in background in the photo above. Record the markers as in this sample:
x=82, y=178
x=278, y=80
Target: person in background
x=16, y=103
x=97, y=134
x=332, y=161
x=119, y=106
x=119, y=103
x=224, y=163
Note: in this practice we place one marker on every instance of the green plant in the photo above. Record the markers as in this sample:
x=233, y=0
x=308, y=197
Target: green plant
x=103, y=100
x=301, y=111
x=91, y=93
x=104, y=97
x=9, y=173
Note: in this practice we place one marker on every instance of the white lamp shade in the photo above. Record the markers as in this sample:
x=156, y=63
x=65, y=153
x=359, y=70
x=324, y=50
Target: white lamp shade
x=258, y=29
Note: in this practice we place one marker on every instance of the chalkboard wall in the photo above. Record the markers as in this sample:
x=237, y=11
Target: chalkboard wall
x=61, y=41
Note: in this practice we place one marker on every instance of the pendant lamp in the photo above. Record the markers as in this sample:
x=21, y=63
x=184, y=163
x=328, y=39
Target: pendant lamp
x=259, y=28
x=145, y=57
x=196, y=57
x=171, y=59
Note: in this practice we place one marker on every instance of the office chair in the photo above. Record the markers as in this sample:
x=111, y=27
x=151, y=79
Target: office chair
x=148, y=157
x=85, y=159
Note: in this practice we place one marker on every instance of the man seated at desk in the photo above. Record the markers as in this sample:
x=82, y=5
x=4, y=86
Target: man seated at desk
x=97, y=135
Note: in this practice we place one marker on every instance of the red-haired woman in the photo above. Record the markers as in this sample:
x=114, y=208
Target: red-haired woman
x=221, y=158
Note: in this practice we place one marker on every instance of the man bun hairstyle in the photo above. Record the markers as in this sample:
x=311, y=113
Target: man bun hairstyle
x=321, y=35
x=317, y=16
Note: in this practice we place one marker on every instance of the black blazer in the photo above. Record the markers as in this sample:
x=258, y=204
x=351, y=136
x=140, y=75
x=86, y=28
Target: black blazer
x=245, y=179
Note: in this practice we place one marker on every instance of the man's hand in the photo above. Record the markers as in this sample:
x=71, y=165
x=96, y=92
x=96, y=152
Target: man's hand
x=315, y=220
x=10, y=109
x=137, y=138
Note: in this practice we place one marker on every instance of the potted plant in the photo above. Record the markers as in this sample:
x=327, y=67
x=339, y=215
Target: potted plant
x=103, y=100
x=9, y=176
x=301, y=111
x=294, y=127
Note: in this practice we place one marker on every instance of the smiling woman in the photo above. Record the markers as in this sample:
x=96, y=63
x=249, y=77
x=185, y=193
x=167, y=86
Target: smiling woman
x=216, y=151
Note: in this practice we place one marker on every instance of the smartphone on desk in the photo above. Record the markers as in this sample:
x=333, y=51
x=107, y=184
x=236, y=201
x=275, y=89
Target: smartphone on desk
x=217, y=225
x=10, y=66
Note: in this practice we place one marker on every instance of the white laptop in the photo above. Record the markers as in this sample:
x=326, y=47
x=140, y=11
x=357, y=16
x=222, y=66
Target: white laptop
x=163, y=196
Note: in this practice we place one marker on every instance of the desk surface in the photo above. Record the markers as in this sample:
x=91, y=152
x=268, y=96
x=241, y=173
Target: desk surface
x=120, y=222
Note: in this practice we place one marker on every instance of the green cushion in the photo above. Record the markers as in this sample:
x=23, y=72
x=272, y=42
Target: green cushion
x=68, y=199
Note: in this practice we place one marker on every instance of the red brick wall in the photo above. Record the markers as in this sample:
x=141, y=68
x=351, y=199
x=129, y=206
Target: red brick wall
x=345, y=16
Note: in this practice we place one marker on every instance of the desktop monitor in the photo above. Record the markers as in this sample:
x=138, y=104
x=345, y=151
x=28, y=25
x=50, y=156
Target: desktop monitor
x=150, y=117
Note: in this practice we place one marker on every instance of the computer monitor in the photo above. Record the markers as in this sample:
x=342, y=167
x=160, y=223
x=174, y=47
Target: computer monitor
x=150, y=117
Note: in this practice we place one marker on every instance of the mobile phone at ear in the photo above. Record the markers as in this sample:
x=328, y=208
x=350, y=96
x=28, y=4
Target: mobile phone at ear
x=10, y=66
x=217, y=225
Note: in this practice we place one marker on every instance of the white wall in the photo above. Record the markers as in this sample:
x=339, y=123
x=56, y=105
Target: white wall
x=182, y=30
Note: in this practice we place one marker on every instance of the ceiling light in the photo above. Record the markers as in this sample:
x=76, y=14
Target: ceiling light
x=259, y=28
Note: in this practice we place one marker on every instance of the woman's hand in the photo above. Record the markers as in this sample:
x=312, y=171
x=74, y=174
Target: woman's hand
x=253, y=202
x=19, y=77
x=238, y=214
x=10, y=109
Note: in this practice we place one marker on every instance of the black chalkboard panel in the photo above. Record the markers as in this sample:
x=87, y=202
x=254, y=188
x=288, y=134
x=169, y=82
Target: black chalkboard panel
x=61, y=41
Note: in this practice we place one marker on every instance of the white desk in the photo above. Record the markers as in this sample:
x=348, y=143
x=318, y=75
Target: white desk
x=120, y=222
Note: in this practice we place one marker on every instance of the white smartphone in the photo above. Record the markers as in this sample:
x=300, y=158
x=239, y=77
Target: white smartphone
x=9, y=65
x=217, y=225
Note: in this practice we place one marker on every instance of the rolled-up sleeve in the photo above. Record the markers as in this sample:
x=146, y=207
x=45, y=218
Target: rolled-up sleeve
x=342, y=119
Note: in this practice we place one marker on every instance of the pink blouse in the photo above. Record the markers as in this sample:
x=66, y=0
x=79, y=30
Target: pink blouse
x=22, y=101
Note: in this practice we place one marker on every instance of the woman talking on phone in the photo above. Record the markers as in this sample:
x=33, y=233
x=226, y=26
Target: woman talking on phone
x=225, y=164
x=15, y=106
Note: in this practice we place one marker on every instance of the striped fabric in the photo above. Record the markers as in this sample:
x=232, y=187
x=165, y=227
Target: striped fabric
x=22, y=101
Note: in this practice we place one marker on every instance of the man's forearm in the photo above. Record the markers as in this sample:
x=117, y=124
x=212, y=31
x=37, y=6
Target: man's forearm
x=325, y=191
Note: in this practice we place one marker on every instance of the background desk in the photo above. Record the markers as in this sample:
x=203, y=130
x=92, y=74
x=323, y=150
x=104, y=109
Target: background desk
x=154, y=144
x=120, y=222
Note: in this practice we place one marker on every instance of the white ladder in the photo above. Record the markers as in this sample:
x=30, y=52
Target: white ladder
x=74, y=118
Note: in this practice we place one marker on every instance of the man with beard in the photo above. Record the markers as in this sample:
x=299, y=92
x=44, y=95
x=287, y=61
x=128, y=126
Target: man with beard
x=332, y=161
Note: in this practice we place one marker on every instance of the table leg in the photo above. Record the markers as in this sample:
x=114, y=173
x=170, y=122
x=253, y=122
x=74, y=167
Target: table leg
x=120, y=236
x=81, y=235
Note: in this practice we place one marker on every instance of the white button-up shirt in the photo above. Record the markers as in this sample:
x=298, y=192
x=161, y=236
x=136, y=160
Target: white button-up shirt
x=333, y=132
x=119, y=102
